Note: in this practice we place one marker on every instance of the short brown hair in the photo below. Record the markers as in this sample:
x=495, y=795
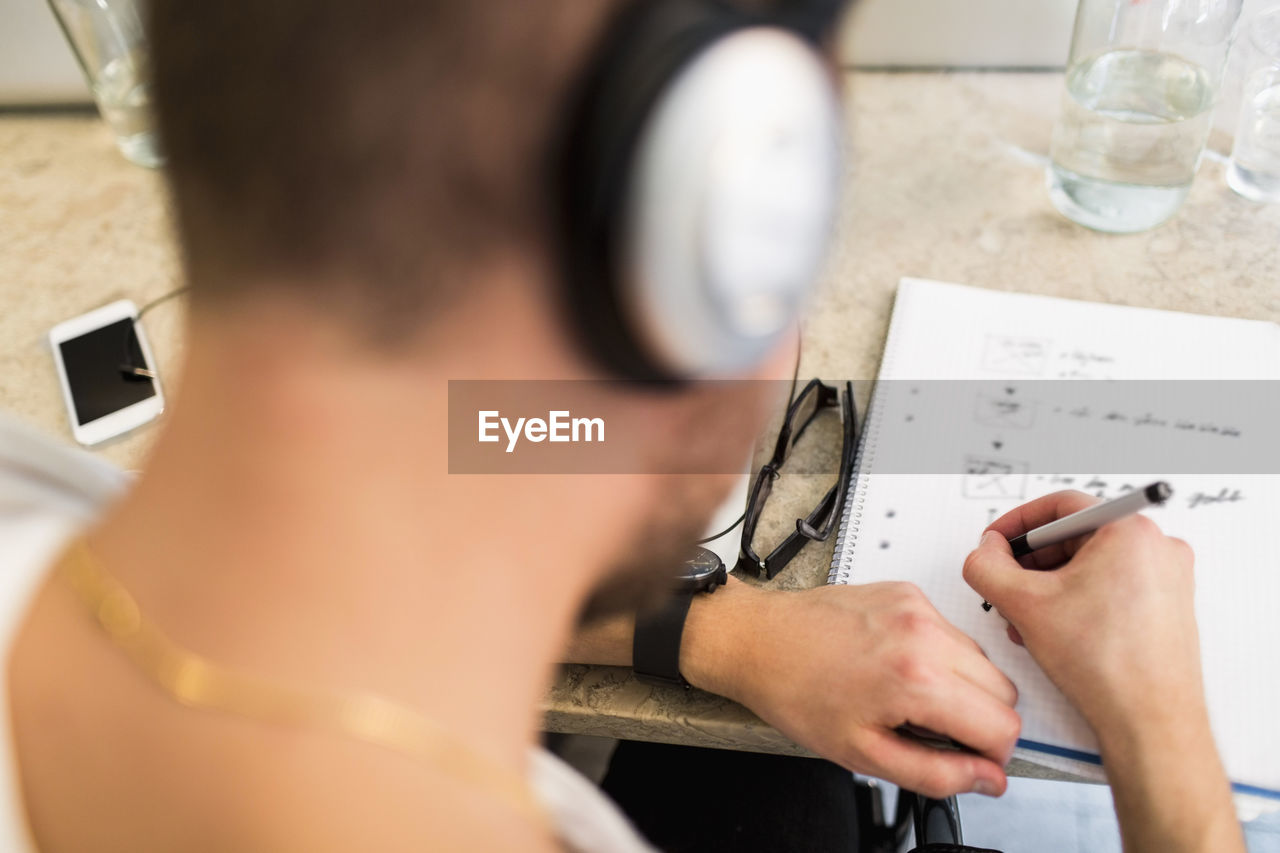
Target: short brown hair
x=331, y=143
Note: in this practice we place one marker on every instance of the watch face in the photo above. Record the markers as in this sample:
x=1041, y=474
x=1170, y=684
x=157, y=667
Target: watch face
x=703, y=564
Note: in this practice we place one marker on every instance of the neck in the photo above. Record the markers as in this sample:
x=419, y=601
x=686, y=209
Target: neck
x=297, y=520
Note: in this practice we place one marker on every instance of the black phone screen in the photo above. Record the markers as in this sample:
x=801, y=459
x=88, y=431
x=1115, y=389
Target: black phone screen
x=93, y=363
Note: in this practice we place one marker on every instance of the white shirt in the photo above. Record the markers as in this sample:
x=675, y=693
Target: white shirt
x=49, y=492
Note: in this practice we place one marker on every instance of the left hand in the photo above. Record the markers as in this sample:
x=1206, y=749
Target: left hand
x=838, y=668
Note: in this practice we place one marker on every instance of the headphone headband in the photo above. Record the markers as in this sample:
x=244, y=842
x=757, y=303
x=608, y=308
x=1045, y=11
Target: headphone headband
x=814, y=19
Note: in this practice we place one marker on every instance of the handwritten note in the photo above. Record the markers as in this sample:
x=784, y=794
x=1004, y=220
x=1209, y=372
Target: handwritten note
x=996, y=350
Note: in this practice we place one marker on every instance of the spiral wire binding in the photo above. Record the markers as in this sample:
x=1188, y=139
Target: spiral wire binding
x=863, y=464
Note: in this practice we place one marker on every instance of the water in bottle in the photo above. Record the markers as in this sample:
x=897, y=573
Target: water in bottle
x=1254, y=171
x=1128, y=142
x=121, y=92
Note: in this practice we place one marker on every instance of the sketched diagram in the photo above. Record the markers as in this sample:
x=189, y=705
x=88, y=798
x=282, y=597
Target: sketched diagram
x=1005, y=412
x=994, y=479
x=1012, y=356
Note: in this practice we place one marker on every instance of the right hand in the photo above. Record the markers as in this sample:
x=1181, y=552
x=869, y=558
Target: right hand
x=1114, y=626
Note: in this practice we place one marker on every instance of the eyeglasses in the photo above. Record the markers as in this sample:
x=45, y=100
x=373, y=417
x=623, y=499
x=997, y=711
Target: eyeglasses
x=812, y=400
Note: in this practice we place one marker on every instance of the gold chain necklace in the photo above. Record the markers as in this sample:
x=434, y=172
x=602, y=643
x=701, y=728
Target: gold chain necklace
x=197, y=682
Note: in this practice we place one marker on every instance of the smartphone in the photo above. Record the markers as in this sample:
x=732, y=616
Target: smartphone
x=107, y=373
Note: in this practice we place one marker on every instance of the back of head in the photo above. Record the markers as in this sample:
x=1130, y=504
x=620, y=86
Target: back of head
x=366, y=157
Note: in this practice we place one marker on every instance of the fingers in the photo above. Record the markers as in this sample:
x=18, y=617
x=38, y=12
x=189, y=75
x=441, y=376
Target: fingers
x=971, y=716
x=928, y=771
x=993, y=572
x=972, y=665
x=970, y=662
x=1040, y=511
x=1182, y=549
x=963, y=655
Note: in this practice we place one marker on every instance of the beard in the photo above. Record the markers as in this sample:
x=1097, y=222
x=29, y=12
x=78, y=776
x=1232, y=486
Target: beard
x=642, y=576
x=713, y=429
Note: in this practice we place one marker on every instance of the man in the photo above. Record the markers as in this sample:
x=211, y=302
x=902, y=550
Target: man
x=292, y=631
x=1135, y=674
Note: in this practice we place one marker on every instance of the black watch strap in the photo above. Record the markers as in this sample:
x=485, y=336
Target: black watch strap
x=655, y=648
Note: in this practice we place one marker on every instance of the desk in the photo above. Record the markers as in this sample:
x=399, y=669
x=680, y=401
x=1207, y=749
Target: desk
x=947, y=183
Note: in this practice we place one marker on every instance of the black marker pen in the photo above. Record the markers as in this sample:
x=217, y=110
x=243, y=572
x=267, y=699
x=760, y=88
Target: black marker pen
x=1088, y=520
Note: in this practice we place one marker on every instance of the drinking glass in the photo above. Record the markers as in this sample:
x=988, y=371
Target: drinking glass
x=1141, y=83
x=107, y=39
x=1254, y=171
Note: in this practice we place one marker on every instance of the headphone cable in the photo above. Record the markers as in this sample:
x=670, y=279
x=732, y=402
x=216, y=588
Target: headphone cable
x=795, y=377
x=127, y=366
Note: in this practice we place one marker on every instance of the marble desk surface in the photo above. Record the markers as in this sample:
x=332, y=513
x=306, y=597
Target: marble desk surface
x=946, y=182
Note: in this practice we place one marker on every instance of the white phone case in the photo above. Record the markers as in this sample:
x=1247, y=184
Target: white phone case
x=122, y=420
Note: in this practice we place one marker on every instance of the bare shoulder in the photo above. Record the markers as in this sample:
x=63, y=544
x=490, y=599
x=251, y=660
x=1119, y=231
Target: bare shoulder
x=107, y=762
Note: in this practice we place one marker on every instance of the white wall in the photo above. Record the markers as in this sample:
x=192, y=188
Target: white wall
x=961, y=33
x=37, y=67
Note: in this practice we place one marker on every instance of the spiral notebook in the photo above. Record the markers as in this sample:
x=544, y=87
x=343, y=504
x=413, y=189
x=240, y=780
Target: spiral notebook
x=919, y=526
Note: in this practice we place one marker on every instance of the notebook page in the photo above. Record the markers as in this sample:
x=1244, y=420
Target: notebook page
x=919, y=527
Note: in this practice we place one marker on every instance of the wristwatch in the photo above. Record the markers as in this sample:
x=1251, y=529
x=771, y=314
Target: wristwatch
x=655, y=649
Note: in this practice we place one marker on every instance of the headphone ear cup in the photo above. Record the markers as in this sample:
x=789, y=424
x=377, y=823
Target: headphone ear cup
x=642, y=50
x=698, y=182
x=735, y=189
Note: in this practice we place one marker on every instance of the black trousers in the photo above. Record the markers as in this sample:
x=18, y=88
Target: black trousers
x=685, y=798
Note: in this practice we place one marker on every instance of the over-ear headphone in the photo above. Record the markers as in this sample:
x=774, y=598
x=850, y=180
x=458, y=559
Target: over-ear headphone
x=697, y=182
